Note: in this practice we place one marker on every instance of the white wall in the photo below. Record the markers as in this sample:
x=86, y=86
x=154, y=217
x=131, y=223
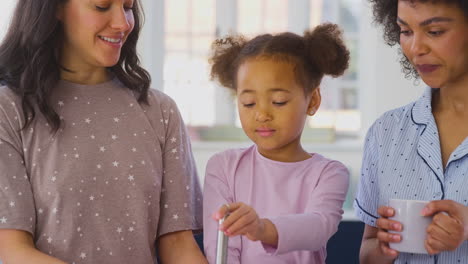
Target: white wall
x=382, y=83
x=5, y=15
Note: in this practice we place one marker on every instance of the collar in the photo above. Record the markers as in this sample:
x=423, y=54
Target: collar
x=422, y=108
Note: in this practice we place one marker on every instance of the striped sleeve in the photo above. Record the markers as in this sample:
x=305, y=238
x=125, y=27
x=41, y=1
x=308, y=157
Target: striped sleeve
x=367, y=198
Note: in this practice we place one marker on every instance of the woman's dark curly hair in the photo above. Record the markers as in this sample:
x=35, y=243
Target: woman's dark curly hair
x=30, y=58
x=319, y=52
x=385, y=13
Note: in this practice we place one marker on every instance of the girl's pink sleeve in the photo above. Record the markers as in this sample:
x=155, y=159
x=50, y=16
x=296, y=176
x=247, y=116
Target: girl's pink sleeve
x=312, y=229
x=216, y=192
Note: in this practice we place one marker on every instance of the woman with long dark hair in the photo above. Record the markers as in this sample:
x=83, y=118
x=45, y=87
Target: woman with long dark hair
x=95, y=167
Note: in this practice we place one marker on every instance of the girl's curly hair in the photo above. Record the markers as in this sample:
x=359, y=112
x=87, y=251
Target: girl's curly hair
x=385, y=13
x=319, y=52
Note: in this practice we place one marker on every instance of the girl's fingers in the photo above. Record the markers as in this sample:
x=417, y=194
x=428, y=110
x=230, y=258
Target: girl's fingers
x=222, y=211
x=235, y=214
x=242, y=226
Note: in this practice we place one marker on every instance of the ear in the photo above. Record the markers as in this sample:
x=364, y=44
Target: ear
x=314, y=102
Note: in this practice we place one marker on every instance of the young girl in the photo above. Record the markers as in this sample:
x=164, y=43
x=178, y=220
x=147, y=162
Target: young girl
x=94, y=166
x=284, y=203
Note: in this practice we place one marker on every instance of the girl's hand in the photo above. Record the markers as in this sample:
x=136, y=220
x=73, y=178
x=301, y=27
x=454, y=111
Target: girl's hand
x=383, y=236
x=242, y=220
x=449, y=227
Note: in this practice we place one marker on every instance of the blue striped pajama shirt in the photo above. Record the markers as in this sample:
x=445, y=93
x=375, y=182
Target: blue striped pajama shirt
x=402, y=160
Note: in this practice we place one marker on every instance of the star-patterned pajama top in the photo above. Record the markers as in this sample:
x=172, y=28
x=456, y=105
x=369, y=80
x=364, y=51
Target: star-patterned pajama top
x=116, y=176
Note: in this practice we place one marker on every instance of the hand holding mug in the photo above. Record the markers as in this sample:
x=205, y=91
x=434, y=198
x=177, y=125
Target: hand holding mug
x=383, y=236
x=449, y=227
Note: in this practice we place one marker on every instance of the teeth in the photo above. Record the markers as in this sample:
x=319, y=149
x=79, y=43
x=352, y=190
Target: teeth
x=110, y=39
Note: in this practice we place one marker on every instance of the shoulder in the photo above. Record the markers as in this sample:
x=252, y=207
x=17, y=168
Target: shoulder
x=327, y=165
x=11, y=115
x=395, y=121
x=159, y=98
x=10, y=104
x=230, y=156
x=7, y=96
x=397, y=116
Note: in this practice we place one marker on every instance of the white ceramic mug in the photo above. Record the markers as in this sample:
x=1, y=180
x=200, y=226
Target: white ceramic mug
x=413, y=235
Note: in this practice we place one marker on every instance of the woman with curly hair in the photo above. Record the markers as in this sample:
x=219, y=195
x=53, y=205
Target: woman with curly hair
x=95, y=167
x=420, y=151
x=284, y=203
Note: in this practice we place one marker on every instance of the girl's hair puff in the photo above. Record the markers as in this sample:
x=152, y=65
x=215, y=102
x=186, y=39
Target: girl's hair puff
x=319, y=52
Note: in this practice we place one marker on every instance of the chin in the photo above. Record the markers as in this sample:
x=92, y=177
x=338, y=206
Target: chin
x=432, y=82
x=109, y=63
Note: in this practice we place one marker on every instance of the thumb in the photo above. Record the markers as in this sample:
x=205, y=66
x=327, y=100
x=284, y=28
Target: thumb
x=435, y=207
x=222, y=211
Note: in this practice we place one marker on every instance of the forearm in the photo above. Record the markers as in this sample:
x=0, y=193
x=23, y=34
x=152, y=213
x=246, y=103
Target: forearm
x=26, y=254
x=270, y=233
x=180, y=247
x=371, y=253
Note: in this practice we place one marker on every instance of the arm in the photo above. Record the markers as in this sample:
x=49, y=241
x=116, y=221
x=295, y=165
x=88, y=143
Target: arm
x=374, y=249
x=179, y=247
x=17, y=212
x=286, y=233
x=374, y=246
x=181, y=198
x=323, y=214
x=216, y=192
x=17, y=247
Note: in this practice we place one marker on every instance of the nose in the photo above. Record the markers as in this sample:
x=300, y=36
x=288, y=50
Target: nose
x=122, y=19
x=263, y=115
x=418, y=45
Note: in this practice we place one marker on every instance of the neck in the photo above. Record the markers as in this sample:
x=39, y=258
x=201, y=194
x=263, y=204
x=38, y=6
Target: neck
x=80, y=72
x=292, y=155
x=452, y=99
x=85, y=77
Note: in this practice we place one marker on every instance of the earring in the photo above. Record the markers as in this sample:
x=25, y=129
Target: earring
x=312, y=112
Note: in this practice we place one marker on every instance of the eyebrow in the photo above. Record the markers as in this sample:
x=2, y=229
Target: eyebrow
x=269, y=90
x=428, y=21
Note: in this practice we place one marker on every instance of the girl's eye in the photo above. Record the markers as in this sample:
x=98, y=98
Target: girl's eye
x=102, y=8
x=280, y=103
x=249, y=105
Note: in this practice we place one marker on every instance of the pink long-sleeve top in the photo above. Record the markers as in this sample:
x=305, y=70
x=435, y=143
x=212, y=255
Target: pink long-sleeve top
x=303, y=200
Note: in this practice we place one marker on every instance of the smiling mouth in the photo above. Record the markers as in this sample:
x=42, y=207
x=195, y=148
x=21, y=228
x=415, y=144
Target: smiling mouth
x=111, y=40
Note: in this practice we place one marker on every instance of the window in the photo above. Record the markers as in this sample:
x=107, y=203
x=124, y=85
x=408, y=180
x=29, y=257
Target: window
x=7, y=10
x=190, y=26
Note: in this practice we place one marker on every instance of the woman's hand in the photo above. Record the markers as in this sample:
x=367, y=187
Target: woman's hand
x=449, y=227
x=242, y=220
x=383, y=236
